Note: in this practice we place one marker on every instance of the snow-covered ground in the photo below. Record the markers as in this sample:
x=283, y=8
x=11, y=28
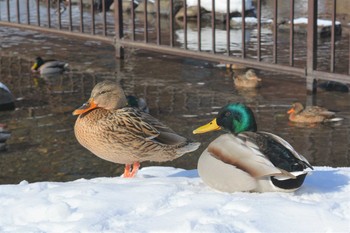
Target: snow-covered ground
x=166, y=199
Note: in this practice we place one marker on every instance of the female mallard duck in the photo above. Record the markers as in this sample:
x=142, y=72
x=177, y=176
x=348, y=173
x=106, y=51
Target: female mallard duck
x=247, y=80
x=310, y=114
x=125, y=135
x=247, y=159
x=49, y=67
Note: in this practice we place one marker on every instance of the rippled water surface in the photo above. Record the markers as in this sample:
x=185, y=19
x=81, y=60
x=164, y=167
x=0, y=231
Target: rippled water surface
x=182, y=93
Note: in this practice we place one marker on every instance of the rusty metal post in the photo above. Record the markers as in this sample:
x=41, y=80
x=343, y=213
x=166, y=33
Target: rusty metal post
x=28, y=12
x=104, y=18
x=38, y=12
x=311, y=61
x=17, y=12
x=118, y=25
x=145, y=25
x=334, y=13
x=291, y=33
x=92, y=10
x=228, y=28
x=48, y=6
x=172, y=37
x=275, y=31
x=199, y=26
x=158, y=26
x=8, y=10
x=213, y=27
x=243, y=31
x=185, y=24
x=258, y=52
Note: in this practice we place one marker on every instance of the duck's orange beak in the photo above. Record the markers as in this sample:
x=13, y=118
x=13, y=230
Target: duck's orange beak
x=85, y=107
x=290, y=111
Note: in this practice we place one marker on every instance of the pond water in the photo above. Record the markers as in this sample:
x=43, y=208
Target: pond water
x=182, y=93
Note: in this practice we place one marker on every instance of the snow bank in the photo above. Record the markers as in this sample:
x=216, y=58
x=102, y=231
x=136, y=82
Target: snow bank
x=165, y=199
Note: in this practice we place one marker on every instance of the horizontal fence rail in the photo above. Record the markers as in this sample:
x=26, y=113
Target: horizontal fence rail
x=230, y=32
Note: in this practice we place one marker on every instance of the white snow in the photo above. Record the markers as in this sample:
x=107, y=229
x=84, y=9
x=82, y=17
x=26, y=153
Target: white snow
x=320, y=22
x=166, y=199
x=221, y=6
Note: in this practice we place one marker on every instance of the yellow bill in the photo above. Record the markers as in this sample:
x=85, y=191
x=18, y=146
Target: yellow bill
x=211, y=126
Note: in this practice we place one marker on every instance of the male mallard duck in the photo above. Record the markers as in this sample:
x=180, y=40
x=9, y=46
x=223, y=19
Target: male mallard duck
x=310, y=114
x=135, y=102
x=7, y=101
x=246, y=159
x=49, y=67
x=125, y=135
x=247, y=80
x=4, y=135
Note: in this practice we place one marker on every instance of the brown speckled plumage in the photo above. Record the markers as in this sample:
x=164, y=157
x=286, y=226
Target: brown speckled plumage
x=310, y=114
x=125, y=135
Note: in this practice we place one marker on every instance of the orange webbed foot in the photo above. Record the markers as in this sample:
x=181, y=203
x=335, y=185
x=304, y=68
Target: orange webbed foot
x=130, y=173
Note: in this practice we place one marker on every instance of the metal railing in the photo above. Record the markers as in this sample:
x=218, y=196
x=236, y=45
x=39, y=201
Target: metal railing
x=137, y=32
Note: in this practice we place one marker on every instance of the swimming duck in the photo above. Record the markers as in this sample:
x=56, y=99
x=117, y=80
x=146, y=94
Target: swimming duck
x=7, y=101
x=115, y=132
x=246, y=159
x=49, y=67
x=248, y=79
x=310, y=114
x=4, y=135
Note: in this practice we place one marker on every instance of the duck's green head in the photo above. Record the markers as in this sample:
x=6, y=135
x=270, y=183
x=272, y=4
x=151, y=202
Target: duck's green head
x=234, y=117
x=38, y=62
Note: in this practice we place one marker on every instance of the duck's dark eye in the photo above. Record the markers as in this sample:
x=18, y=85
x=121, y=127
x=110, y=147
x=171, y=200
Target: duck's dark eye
x=102, y=92
x=227, y=114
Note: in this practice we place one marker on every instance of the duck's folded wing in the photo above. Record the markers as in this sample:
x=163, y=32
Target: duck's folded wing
x=286, y=145
x=244, y=154
x=141, y=124
x=54, y=64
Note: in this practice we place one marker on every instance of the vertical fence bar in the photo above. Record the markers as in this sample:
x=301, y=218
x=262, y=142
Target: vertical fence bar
x=213, y=26
x=48, y=5
x=185, y=24
x=334, y=12
x=158, y=21
x=145, y=25
x=8, y=10
x=118, y=24
x=311, y=61
x=81, y=16
x=199, y=26
x=28, y=12
x=291, y=34
x=258, y=52
x=275, y=25
x=17, y=12
x=59, y=15
x=104, y=18
x=92, y=10
x=132, y=21
x=243, y=29
x=171, y=23
x=228, y=29
x=38, y=12
x=70, y=26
